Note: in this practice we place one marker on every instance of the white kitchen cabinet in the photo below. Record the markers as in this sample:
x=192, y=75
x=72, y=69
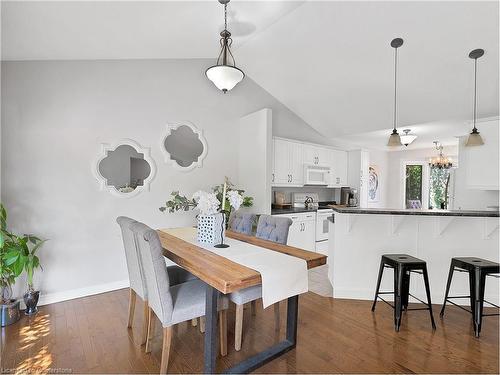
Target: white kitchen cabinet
x=287, y=163
x=338, y=164
x=316, y=155
x=481, y=162
x=289, y=158
x=302, y=232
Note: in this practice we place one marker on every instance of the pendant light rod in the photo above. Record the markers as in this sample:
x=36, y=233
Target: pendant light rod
x=475, y=54
x=396, y=43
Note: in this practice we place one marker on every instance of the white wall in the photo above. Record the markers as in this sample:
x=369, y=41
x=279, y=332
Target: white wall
x=487, y=160
x=55, y=115
x=255, y=155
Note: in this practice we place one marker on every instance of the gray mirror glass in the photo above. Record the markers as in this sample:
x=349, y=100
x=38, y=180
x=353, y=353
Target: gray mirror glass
x=124, y=168
x=184, y=146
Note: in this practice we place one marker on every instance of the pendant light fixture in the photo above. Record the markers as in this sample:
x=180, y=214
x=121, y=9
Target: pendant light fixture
x=395, y=139
x=441, y=161
x=474, y=137
x=224, y=74
x=407, y=137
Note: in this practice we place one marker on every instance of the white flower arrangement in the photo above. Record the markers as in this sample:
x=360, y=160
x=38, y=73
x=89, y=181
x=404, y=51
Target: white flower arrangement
x=235, y=199
x=206, y=203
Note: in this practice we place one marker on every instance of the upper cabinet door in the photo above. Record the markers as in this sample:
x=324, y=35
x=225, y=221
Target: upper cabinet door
x=287, y=163
x=296, y=163
x=316, y=155
x=281, y=172
x=339, y=166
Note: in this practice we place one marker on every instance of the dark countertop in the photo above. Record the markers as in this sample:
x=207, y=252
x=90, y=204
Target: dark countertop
x=421, y=212
x=291, y=210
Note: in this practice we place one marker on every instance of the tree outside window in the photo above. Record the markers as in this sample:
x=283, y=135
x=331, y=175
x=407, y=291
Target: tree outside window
x=413, y=186
x=439, y=181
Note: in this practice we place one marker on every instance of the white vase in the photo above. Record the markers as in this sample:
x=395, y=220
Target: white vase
x=211, y=228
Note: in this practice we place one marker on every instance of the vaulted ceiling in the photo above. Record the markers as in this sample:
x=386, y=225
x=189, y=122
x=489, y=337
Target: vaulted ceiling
x=329, y=62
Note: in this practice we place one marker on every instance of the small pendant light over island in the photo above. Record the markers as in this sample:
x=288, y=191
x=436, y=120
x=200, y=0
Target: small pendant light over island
x=395, y=139
x=475, y=138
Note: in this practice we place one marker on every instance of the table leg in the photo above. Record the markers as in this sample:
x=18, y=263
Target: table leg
x=259, y=359
x=212, y=296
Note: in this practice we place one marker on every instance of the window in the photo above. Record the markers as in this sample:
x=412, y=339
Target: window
x=414, y=186
x=439, y=181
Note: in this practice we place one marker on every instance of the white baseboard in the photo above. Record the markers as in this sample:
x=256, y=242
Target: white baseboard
x=66, y=295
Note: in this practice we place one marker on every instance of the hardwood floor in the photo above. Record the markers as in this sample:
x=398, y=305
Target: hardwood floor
x=89, y=335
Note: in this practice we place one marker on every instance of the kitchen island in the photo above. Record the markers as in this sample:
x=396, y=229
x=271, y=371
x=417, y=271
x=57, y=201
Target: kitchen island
x=359, y=237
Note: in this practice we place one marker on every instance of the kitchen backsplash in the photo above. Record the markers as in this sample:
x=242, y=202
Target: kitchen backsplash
x=325, y=194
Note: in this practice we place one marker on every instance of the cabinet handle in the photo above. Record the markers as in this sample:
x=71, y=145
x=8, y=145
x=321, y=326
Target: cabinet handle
x=291, y=178
x=273, y=177
x=295, y=217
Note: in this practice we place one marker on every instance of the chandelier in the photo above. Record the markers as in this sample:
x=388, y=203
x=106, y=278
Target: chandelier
x=224, y=74
x=440, y=161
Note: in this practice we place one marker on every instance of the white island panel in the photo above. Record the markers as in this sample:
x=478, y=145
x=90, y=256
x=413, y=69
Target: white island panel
x=358, y=241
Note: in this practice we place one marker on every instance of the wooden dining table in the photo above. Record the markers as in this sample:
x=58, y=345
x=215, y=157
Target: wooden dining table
x=223, y=276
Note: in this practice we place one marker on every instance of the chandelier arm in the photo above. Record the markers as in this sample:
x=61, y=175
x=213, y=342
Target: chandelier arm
x=220, y=53
x=230, y=53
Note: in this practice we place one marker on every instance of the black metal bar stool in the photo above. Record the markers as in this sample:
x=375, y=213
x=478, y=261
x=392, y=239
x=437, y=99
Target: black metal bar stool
x=403, y=266
x=477, y=269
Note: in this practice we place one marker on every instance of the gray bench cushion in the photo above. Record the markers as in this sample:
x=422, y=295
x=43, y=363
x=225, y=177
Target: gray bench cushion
x=189, y=301
x=246, y=295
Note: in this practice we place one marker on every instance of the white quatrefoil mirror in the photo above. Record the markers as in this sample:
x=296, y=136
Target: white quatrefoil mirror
x=124, y=169
x=184, y=146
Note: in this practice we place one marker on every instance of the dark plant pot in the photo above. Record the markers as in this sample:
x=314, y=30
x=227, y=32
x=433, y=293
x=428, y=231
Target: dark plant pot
x=9, y=313
x=31, y=300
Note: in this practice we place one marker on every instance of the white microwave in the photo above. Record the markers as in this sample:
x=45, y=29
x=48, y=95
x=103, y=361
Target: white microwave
x=316, y=175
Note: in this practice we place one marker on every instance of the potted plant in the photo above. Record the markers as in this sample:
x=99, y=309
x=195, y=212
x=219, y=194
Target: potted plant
x=18, y=253
x=9, y=308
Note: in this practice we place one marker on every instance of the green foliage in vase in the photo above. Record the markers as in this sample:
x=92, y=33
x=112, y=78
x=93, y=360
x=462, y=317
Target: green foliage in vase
x=17, y=254
x=178, y=202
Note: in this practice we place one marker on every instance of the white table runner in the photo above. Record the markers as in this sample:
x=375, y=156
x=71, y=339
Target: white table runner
x=282, y=275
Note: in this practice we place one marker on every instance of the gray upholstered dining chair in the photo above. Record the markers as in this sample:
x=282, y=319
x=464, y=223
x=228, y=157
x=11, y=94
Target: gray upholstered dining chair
x=271, y=228
x=177, y=275
x=242, y=222
x=171, y=304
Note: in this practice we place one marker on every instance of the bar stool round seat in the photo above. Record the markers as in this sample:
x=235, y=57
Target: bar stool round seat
x=478, y=269
x=403, y=265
